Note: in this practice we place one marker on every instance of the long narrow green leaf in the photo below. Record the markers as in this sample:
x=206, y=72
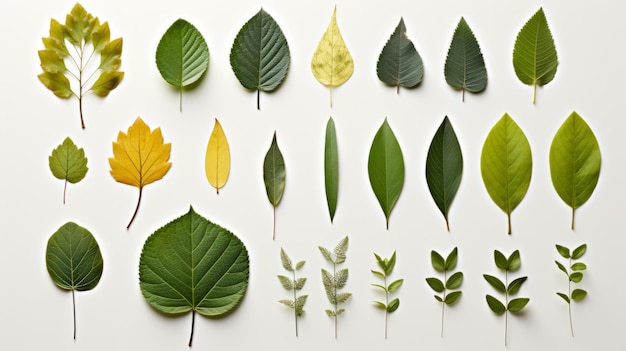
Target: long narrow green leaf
x=331, y=168
x=399, y=63
x=274, y=176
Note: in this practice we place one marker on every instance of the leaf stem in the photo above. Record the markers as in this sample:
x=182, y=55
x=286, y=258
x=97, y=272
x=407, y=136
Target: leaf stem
x=64, y=190
x=386, y=303
x=274, y=228
x=506, y=300
x=193, y=322
x=335, y=294
x=295, y=301
x=74, y=310
x=573, y=211
x=258, y=99
x=136, y=208
x=534, y=93
x=331, y=96
x=463, y=94
x=443, y=302
x=508, y=216
x=569, y=303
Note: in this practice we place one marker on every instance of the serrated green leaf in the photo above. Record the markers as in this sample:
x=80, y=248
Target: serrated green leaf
x=579, y=251
x=299, y=283
x=579, y=266
x=330, y=313
x=301, y=300
x=399, y=63
x=563, y=251
x=286, y=282
x=500, y=259
x=506, y=165
x=341, y=278
x=340, y=250
x=516, y=305
x=285, y=260
x=564, y=297
x=341, y=311
x=326, y=254
x=465, y=67
x=515, y=285
x=393, y=305
x=495, y=282
x=561, y=267
x=380, y=305
x=452, y=259
x=495, y=305
x=327, y=280
x=576, y=277
x=435, y=284
x=331, y=167
x=274, y=176
x=288, y=303
x=454, y=281
x=299, y=265
x=452, y=297
x=68, y=163
x=395, y=285
x=578, y=294
x=514, y=262
x=437, y=261
x=343, y=297
x=260, y=54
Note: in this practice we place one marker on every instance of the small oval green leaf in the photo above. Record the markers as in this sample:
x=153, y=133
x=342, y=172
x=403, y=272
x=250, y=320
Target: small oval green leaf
x=495, y=305
x=495, y=283
x=437, y=261
x=563, y=251
x=576, y=277
x=393, y=305
x=274, y=176
x=579, y=266
x=516, y=305
x=435, y=284
x=500, y=259
x=395, y=285
x=452, y=298
x=455, y=280
x=515, y=285
x=578, y=294
x=579, y=251
x=514, y=262
x=399, y=63
x=564, y=297
x=331, y=167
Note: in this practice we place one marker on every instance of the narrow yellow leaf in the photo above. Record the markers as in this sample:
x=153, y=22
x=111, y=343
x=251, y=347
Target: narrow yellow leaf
x=217, y=158
x=332, y=63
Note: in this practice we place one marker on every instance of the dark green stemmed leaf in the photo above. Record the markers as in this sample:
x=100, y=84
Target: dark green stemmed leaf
x=399, y=63
x=579, y=251
x=516, y=305
x=454, y=281
x=465, y=67
x=452, y=259
x=68, y=163
x=500, y=260
x=563, y=251
x=260, y=54
x=574, y=273
x=495, y=283
x=192, y=264
x=444, y=167
x=437, y=261
x=448, y=283
x=331, y=167
x=435, y=284
x=495, y=305
x=182, y=55
x=514, y=262
x=73, y=260
x=274, y=176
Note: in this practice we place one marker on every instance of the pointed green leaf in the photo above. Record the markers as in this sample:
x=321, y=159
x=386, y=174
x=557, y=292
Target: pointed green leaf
x=379, y=286
x=326, y=254
x=111, y=55
x=579, y=266
x=452, y=297
x=378, y=274
x=67, y=162
x=286, y=282
x=514, y=262
x=52, y=62
x=561, y=267
x=495, y=282
x=579, y=251
x=516, y=305
x=437, y=261
x=288, y=303
x=452, y=259
x=563, y=251
x=495, y=305
x=343, y=298
x=285, y=260
x=515, y=285
x=380, y=305
x=299, y=265
x=274, y=176
x=500, y=260
x=299, y=283
x=506, y=165
x=435, y=284
x=390, y=264
x=106, y=82
x=341, y=278
x=331, y=167
x=340, y=250
x=454, y=281
x=438, y=298
x=393, y=305
x=395, y=285
x=564, y=297
x=465, y=67
x=399, y=63
x=576, y=277
x=57, y=83
x=578, y=294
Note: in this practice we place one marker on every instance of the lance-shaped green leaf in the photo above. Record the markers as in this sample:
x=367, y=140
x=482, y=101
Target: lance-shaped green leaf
x=399, y=64
x=73, y=260
x=506, y=165
x=274, y=177
x=331, y=167
x=444, y=167
x=260, y=54
x=574, y=162
x=465, y=67
x=192, y=264
x=386, y=169
x=68, y=163
x=534, y=55
x=182, y=55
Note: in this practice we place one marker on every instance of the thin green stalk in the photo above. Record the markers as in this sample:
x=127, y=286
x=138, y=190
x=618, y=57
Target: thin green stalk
x=506, y=305
x=569, y=304
x=386, y=303
x=335, y=302
x=295, y=301
x=136, y=209
x=443, y=303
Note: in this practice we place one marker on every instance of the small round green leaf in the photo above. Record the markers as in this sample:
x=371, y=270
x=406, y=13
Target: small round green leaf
x=516, y=305
x=68, y=162
x=452, y=297
x=579, y=266
x=578, y=294
x=435, y=284
x=576, y=277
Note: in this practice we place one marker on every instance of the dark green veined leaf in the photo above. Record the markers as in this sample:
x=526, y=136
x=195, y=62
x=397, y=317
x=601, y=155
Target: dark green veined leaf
x=444, y=167
x=435, y=284
x=182, y=55
x=561, y=267
x=393, y=305
x=495, y=305
x=515, y=285
x=452, y=259
x=260, y=54
x=500, y=260
x=437, y=261
x=452, y=297
x=563, y=251
x=576, y=277
x=578, y=294
x=516, y=305
x=495, y=283
x=386, y=169
x=506, y=165
x=514, y=262
x=534, y=55
x=68, y=163
x=192, y=264
x=579, y=251
x=399, y=63
x=465, y=67
x=274, y=177
x=564, y=297
x=454, y=281
x=575, y=162
x=331, y=167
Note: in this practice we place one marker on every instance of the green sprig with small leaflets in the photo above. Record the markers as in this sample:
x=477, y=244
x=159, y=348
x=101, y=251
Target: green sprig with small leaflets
x=293, y=284
x=387, y=265
x=337, y=280
x=452, y=282
x=574, y=275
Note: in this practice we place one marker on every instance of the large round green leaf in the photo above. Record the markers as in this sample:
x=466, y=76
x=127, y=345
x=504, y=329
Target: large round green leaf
x=399, y=63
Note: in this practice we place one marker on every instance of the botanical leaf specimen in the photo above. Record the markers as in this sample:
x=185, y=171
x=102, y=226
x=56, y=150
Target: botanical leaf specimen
x=465, y=67
x=444, y=167
x=193, y=264
x=386, y=266
x=68, y=163
x=73, y=260
x=506, y=165
x=89, y=40
x=574, y=162
x=515, y=305
x=534, y=55
x=217, y=162
x=274, y=177
x=386, y=169
x=182, y=55
x=331, y=167
x=139, y=158
x=335, y=281
x=444, y=286
x=574, y=275
x=260, y=54
x=399, y=64
x=332, y=63
x=293, y=284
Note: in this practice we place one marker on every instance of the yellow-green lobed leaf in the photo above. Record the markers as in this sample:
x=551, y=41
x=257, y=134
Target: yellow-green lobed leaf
x=68, y=163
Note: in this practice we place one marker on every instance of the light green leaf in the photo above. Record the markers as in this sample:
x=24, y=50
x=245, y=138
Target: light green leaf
x=341, y=278
x=299, y=265
x=495, y=282
x=299, y=284
x=192, y=264
x=534, y=55
x=399, y=63
x=515, y=285
x=340, y=250
x=386, y=169
x=574, y=162
x=576, y=277
x=437, y=261
x=495, y=305
x=182, y=55
x=579, y=266
x=455, y=280
x=331, y=167
x=506, y=165
x=561, y=267
x=393, y=305
x=285, y=260
x=579, y=251
x=68, y=163
x=390, y=264
x=343, y=298
x=435, y=284
x=380, y=305
x=286, y=282
x=578, y=294
x=465, y=67
x=288, y=303
x=452, y=259
x=326, y=254
x=452, y=297
x=379, y=286
x=563, y=251
x=516, y=305
x=274, y=177
x=378, y=274
x=395, y=285
x=260, y=54
x=514, y=262
x=564, y=297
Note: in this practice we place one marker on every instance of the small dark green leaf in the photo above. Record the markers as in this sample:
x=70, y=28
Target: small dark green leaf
x=452, y=259
x=495, y=282
x=393, y=305
x=515, y=285
x=399, y=63
x=454, y=281
x=500, y=259
x=495, y=305
x=435, y=284
x=437, y=261
x=518, y=304
x=563, y=251
x=578, y=294
x=579, y=251
x=576, y=277
x=514, y=262
x=453, y=297
x=438, y=298
x=561, y=267
x=331, y=168
x=579, y=266
x=564, y=297
x=274, y=176
x=395, y=285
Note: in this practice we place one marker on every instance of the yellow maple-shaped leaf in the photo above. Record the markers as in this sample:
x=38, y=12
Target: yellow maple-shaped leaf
x=332, y=63
x=139, y=157
x=217, y=163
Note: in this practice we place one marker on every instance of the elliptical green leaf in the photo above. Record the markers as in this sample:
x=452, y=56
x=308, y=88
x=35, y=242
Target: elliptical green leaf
x=274, y=176
x=331, y=167
x=399, y=63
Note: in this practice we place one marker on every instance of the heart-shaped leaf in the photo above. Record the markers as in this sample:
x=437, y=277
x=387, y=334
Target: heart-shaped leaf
x=399, y=63
x=274, y=176
x=217, y=162
x=331, y=167
x=68, y=163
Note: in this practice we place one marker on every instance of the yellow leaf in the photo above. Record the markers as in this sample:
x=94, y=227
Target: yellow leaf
x=139, y=157
x=217, y=158
x=332, y=64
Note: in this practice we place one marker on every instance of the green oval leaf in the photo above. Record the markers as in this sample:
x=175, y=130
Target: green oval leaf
x=495, y=283
x=563, y=251
x=331, y=167
x=561, y=267
x=260, y=54
x=182, y=55
x=574, y=162
x=465, y=67
x=495, y=305
x=395, y=285
x=452, y=259
x=579, y=266
x=506, y=165
x=192, y=264
x=514, y=262
x=452, y=297
x=579, y=251
x=435, y=284
x=437, y=261
x=534, y=55
x=576, y=277
x=455, y=280
x=274, y=176
x=393, y=305
x=564, y=297
x=516, y=305
x=386, y=169
x=68, y=163
x=578, y=294
x=515, y=285
x=399, y=63
x=500, y=260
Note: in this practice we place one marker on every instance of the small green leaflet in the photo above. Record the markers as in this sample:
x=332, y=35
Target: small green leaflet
x=452, y=282
x=333, y=282
x=444, y=167
x=192, y=264
x=399, y=63
x=574, y=274
x=465, y=67
x=260, y=54
x=293, y=284
x=73, y=260
x=574, y=162
x=182, y=56
x=506, y=165
x=386, y=266
x=274, y=177
x=386, y=169
x=331, y=168
x=534, y=55
x=68, y=163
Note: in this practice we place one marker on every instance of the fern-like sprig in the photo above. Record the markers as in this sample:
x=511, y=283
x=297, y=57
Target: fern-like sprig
x=449, y=283
x=574, y=275
x=293, y=284
x=386, y=265
x=337, y=280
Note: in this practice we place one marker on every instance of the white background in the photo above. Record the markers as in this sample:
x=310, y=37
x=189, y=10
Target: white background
x=114, y=316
